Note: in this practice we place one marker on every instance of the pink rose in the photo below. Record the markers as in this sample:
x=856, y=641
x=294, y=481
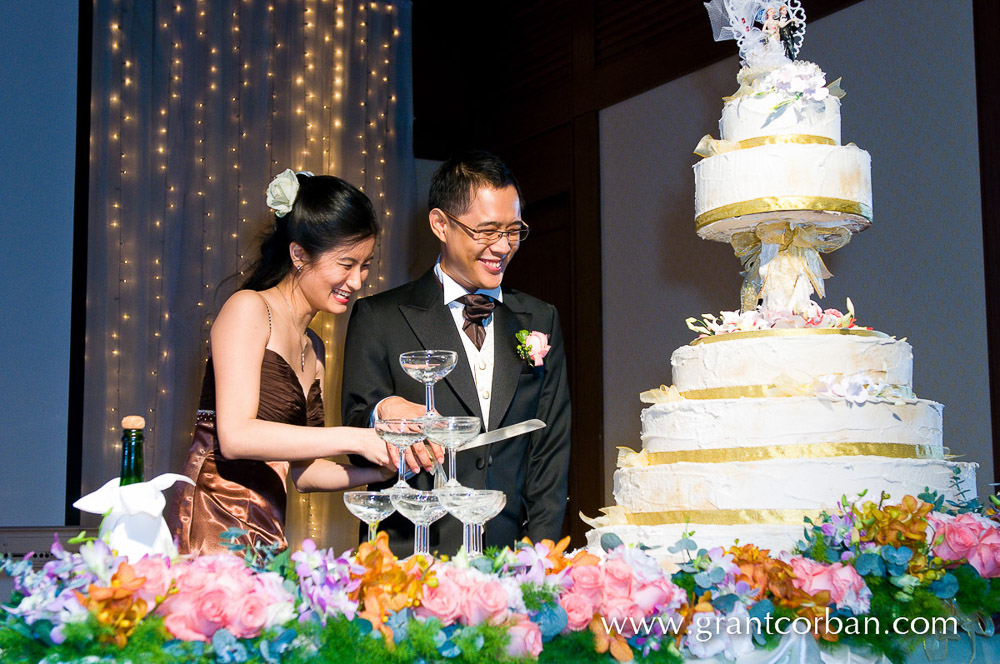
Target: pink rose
x=193, y=578
x=183, y=620
x=617, y=579
x=538, y=346
x=156, y=569
x=216, y=606
x=443, y=602
x=961, y=536
x=579, y=610
x=648, y=596
x=588, y=580
x=485, y=602
x=986, y=558
x=846, y=587
x=620, y=609
x=525, y=637
x=249, y=616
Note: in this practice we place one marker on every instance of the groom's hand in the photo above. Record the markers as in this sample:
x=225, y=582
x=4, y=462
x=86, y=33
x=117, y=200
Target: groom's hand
x=418, y=455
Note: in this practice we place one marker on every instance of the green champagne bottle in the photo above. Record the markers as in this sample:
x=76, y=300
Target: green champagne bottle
x=132, y=472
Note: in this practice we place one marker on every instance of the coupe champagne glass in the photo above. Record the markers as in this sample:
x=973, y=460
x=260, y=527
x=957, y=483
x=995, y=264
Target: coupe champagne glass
x=369, y=506
x=401, y=433
x=428, y=367
x=473, y=508
x=451, y=433
x=422, y=508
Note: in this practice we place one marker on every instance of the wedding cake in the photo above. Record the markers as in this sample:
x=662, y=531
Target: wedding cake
x=783, y=409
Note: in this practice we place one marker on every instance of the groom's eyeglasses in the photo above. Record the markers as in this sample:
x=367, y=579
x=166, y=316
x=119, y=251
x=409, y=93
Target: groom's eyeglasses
x=489, y=236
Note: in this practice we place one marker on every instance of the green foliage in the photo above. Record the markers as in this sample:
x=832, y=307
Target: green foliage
x=577, y=647
x=976, y=594
x=536, y=595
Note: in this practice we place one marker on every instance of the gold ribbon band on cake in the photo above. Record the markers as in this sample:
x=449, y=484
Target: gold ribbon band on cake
x=710, y=147
x=789, y=332
x=722, y=517
x=781, y=203
x=798, y=246
x=795, y=451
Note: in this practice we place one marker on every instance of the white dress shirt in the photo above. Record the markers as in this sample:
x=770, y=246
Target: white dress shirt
x=481, y=360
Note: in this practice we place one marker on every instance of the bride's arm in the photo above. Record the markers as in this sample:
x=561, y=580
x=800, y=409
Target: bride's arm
x=326, y=475
x=239, y=336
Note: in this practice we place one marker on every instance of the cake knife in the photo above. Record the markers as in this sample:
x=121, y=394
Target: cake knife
x=503, y=433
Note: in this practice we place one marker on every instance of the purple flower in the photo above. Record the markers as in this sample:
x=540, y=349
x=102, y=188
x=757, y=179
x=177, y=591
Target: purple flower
x=326, y=582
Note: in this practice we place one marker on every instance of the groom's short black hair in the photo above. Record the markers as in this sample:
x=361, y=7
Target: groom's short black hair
x=455, y=181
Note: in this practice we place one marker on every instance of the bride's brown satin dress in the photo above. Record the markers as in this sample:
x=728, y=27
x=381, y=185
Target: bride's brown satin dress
x=240, y=493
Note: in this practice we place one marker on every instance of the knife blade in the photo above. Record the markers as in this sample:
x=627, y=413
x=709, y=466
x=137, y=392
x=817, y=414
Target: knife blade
x=494, y=436
x=502, y=433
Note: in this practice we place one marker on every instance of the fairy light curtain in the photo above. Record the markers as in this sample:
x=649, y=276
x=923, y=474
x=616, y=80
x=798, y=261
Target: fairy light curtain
x=195, y=105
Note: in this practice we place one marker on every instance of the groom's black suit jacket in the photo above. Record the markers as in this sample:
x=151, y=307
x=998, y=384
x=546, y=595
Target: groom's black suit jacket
x=531, y=469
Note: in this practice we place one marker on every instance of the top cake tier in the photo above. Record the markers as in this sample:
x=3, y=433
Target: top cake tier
x=750, y=117
x=780, y=158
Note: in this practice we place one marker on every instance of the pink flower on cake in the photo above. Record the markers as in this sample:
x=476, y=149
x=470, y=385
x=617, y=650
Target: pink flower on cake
x=533, y=346
x=986, y=558
x=958, y=536
x=525, y=637
x=579, y=610
x=846, y=587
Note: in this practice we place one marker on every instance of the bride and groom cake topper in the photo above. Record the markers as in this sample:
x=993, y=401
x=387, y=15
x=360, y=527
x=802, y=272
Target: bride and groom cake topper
x=768, y=32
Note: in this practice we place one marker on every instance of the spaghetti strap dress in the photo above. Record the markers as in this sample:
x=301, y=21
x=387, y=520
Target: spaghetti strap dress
x=240, y=493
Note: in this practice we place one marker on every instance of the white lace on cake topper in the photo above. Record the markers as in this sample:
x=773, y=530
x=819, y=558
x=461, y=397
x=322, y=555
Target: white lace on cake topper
x=282, y=190
x=768, y=32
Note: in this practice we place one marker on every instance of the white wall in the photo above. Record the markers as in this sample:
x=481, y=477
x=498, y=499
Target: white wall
x=38, y=64
x=917, y=272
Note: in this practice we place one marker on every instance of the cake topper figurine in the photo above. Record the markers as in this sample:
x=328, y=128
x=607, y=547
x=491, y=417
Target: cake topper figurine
x=769, y=33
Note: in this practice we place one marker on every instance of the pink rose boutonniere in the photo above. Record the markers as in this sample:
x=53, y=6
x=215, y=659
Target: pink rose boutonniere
x=533, y=346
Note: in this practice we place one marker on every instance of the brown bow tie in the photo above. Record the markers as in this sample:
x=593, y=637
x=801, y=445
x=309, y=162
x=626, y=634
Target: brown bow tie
x=477, y=309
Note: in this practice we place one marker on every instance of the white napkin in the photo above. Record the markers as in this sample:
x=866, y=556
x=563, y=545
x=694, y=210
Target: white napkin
x=133, y=524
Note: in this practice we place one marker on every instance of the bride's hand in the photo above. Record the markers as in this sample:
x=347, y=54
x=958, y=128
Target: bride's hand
x=373, y=448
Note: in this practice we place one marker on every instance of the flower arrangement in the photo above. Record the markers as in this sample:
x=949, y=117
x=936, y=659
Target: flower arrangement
x=916, y=559
x=813, y=317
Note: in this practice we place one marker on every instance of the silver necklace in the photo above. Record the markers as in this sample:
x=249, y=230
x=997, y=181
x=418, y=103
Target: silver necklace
x=305, y=339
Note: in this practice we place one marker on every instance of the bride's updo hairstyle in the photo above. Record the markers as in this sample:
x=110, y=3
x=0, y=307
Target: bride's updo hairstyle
x=319, y=212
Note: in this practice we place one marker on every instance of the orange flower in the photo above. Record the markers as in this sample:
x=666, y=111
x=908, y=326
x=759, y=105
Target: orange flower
x=386, y=585
x=555, y=554
x=115, y=606
x=605, y=641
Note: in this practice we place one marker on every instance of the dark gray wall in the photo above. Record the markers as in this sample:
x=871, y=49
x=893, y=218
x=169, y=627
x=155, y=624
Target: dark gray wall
x=38, y=65
x=917, y=272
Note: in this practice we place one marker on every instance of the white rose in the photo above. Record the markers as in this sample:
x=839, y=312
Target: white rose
x=282, y=191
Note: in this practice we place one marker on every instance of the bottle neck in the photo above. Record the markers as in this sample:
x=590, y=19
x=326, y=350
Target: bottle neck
x=132, y=462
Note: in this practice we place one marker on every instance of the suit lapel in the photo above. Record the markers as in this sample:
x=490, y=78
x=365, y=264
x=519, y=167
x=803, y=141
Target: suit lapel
x=509, y=318
x=434, y=327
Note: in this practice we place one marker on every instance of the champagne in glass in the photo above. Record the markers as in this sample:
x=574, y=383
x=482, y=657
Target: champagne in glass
x=369, y=506
x=422, y=508
x=428, y=367
x=401, y=433
x=451, y=433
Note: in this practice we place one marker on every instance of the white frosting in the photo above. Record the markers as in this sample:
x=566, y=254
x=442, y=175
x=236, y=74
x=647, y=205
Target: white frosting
x=796, y=484
x=751, y=116
x=841, y=172
x=766, y=360
x=725, y=423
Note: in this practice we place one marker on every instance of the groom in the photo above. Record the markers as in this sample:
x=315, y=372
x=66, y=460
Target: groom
x=475, y=211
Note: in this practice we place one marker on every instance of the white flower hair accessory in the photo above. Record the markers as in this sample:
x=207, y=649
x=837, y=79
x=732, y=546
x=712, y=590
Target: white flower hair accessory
x=282, y=191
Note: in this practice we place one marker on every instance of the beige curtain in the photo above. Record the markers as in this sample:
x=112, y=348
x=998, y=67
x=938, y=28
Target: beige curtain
x=195, y=106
